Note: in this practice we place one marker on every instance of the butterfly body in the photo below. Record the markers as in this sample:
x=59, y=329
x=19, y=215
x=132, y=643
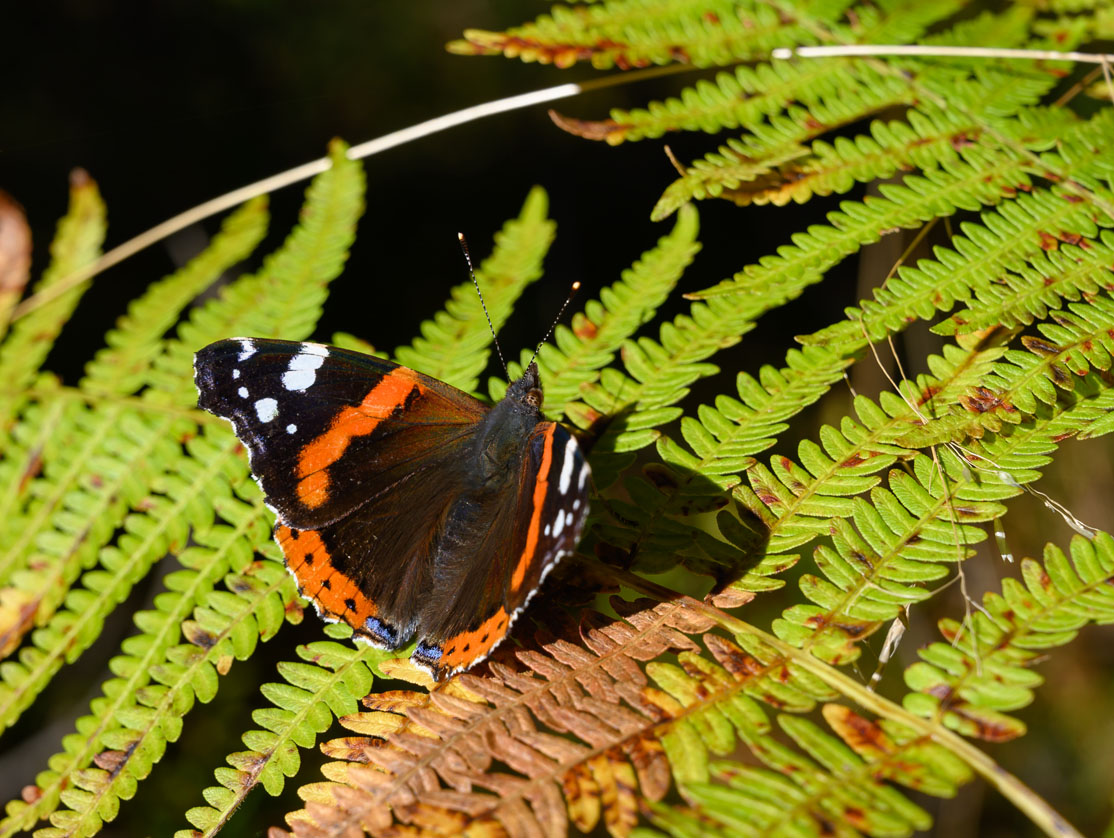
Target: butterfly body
x=405, y=507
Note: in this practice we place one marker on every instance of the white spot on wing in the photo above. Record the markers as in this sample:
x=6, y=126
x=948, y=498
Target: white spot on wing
x=566, y=467
x=583, y=476
x=235, y=373
x=291, y=428
x=298, y=380
x=243, y=391
x=266, y=410
x=548, y=529
x=300, y=374
x=247, y=349
x=559, y=523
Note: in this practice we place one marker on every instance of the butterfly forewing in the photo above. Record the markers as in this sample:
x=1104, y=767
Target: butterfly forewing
x=316, y=421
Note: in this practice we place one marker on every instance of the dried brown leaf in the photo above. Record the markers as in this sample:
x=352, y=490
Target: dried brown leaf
x=15, y=256
x=565, y=729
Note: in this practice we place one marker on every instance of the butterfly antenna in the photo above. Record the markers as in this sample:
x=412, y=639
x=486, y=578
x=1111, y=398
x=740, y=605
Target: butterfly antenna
x=490, y=325
x=557, y=319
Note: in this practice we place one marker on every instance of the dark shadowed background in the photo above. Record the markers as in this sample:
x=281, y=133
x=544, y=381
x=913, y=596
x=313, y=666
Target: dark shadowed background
x=169, y=104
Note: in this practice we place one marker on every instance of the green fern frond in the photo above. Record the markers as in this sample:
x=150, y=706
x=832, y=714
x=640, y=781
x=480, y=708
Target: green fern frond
x=76, y=244
x=285, y=297
x=580, y=352
x=1080, y=339
x=844, y=788
x=723, y=442
x=928, y=138
x=640, y=33
x=121, y=458
x=981, y=178
x=454, y=346
x=994, y=469
x=142, y=469
x=158, y=679
x=746, y=97
x=881, y=557
x=775, y=143
x=330, y=684
x=791, y=505
x=121, y=366
x=868, y=89
x=115, y=465
x=1005, y=239
x=658, y=373
x=1045, y=280
x=793, y=500
x=984, y=671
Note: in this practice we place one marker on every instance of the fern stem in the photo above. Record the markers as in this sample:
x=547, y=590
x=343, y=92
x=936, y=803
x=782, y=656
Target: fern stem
x=1035, y=807
x=939, y=51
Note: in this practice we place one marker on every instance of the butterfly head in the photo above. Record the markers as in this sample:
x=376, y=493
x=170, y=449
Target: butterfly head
x=527, y=391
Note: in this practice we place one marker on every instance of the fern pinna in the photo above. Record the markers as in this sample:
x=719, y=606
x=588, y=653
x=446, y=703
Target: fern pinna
x=637, y=697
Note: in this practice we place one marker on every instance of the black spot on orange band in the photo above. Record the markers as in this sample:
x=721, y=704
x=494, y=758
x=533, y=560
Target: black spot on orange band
x=319, y=580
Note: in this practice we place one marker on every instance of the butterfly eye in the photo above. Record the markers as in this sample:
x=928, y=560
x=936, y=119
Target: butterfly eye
x=534, y=398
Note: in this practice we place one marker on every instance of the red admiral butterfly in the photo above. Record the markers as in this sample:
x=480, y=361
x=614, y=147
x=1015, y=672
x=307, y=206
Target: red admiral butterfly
x=405, y=506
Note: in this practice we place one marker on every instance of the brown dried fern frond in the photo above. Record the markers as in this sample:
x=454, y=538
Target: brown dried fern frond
x=505, y=751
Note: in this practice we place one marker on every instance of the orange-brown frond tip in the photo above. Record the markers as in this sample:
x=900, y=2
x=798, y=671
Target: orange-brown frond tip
x=404, y=669
x=607, y=130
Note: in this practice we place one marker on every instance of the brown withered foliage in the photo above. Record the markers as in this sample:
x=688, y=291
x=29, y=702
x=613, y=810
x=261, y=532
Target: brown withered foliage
x=15, y=256
x=538, y=739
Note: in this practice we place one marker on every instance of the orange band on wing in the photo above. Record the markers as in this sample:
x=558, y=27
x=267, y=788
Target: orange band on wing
x=381, y=401
x=318, y=579
x=462, y=650
x=540, y=488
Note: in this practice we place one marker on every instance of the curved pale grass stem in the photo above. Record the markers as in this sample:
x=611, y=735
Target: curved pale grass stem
x=307, y=170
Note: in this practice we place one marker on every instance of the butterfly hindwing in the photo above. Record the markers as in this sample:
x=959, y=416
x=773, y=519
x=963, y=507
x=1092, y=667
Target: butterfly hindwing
x=523, y=540
x=316, y=420
x=380, y=561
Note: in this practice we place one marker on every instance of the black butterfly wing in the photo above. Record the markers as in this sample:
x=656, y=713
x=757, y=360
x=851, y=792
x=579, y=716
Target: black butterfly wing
x=328, y=429
x=490, y=565
x=373, y=569
x=359, y=458
x=371, y=470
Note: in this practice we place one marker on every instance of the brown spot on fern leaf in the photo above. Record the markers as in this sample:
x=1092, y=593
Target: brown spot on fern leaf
x=17, y=616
